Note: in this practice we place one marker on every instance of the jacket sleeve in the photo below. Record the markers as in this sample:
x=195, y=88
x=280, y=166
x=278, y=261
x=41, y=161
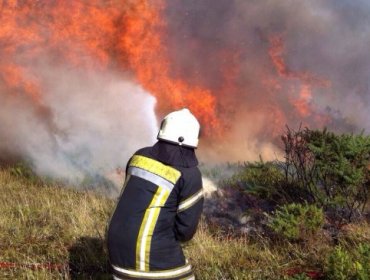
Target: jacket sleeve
x=190, y=206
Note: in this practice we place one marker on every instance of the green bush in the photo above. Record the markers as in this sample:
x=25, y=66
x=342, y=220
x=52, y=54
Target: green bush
x=331, y=169
x=260, y=179
x=339, y=265
x=362, y=264
x=342, y=265
x=297, y=221
x=320, y=168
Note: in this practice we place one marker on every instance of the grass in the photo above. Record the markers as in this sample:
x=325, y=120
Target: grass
x=50, y=231
x=46, y=223
x=228, y=257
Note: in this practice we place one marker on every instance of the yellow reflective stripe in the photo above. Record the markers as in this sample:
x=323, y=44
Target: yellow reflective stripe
x=141, y=231
x=169, y=173
x=157, y=210
x=162, y=274
x=147, y=227
x=190, y=201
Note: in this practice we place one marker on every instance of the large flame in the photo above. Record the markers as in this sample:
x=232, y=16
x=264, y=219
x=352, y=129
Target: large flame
x=146, y=55
x=243, y=69
x=96, y=34
x=101, y=34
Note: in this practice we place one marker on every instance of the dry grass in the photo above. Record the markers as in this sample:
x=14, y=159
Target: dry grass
x=43, y=223
x=221, y=257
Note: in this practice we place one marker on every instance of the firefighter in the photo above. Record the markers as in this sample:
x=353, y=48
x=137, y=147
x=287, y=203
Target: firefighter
x=160, y=205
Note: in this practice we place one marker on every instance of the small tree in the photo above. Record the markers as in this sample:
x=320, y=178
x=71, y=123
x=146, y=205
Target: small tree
x=331, y=169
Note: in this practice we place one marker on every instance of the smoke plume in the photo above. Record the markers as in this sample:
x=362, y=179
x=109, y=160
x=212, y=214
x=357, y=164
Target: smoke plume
x=88, y=124
x=272, y=63
x=84, y=83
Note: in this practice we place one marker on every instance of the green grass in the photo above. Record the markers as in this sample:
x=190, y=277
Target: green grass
x=43, y=223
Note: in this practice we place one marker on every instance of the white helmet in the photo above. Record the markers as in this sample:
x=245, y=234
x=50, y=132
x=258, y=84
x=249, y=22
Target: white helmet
x=180, y=127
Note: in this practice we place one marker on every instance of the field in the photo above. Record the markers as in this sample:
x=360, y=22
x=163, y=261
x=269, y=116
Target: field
x=52, y=231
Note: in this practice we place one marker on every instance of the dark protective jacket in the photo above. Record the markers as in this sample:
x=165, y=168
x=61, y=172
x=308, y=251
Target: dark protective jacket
x=159, y=207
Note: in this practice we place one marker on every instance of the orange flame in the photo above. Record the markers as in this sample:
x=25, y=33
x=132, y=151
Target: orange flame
x=128, y=38
x=147, y=56
x=302, y=102
x=96, y=34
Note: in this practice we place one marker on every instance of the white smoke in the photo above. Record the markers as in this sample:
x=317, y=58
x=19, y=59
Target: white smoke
x=93, y=123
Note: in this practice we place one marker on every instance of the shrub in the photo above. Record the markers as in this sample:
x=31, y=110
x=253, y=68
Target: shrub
x=343, y=265
x=362, y=264
x=320, y=168
x=297, y=221
x=331, y=169
x=339, y=265
x=260, y=179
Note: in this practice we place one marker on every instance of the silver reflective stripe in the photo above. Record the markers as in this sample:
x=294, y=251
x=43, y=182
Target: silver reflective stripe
x=190, y=201
x=153, y=178
x=169, y=273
